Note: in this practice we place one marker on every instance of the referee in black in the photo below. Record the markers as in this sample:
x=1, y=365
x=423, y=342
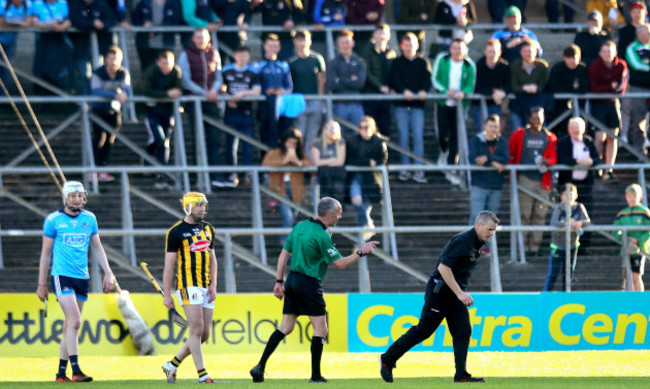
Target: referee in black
x=445, y=297
x=311, y=250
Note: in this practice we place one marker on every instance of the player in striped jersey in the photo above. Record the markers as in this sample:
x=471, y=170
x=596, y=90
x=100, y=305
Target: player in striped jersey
x=189, y=246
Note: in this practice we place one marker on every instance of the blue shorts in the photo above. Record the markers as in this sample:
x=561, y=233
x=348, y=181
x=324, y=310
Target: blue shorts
x=63, y=285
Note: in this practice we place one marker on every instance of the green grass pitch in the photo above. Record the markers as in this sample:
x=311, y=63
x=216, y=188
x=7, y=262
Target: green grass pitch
x=577, y=369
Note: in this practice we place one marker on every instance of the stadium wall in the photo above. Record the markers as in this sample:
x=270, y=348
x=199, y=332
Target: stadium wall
x=357, y=323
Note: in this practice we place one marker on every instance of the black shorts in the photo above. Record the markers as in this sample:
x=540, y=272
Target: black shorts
x=608, y=113
x=303, y=295
x=637, y=263
x=62, y=285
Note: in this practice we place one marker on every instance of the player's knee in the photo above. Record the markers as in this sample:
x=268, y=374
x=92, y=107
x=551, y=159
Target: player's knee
x=73, y=323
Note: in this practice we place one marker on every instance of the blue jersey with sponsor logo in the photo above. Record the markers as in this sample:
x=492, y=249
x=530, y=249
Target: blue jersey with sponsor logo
x=71, y=241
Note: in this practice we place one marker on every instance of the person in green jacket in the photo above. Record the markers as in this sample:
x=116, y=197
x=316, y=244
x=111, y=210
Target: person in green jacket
x=454, y=74
x=636, y=214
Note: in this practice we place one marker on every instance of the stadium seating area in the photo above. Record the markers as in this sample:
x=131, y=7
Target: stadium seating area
x=435, y=203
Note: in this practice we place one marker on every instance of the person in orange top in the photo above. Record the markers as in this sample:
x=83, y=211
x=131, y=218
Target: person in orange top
x=288, y=184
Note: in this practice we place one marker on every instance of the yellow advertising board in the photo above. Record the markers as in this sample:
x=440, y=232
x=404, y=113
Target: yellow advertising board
x=242, y=323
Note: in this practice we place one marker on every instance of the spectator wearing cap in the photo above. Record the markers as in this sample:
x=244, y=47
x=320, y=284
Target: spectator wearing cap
x=608, y=74
x=590, y=41
x=637, y=57
x=612, y=16
x=513, y=36
x=529, y=76
x=553, y=11
x=568, y=76
x=627, y=34
x=497, y=8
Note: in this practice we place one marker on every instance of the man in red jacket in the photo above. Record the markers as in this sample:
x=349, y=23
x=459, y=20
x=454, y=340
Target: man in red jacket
x=533, y=145
x=607, y=74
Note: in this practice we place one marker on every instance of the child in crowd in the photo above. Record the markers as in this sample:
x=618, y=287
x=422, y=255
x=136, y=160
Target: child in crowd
x=577, y=219
x=636, y=214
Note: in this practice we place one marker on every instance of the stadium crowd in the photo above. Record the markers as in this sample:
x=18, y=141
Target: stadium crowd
x=290, y=69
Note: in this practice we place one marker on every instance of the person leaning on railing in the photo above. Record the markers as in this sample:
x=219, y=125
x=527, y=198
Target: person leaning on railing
x=149, y=44
x=13, y=13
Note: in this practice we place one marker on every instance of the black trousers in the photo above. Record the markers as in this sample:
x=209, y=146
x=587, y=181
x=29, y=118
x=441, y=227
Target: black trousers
x=103, y=140
x=448, y=132
x=437, y=306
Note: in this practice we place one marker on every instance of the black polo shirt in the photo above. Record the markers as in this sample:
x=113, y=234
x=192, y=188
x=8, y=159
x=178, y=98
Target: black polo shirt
x=461, y=255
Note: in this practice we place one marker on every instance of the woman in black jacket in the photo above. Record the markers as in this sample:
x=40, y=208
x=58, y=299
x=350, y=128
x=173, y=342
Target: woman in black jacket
x=365, y=148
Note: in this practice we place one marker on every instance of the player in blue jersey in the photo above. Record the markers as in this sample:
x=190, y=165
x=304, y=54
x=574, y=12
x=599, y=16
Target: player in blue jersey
x=67, y=234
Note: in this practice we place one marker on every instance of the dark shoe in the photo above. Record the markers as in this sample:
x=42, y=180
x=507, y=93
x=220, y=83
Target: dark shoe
x=466, y=377
x=81, y=377
x=319, y=380
x=385, y=370
x=257, y=373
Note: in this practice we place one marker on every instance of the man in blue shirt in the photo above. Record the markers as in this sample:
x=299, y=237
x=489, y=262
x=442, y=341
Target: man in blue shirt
x=513, y=36
x=14, y=14
x=275, y=79
x=67, y=234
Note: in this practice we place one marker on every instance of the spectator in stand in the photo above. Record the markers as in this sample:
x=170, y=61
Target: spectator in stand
x=529, y=76
x=454, y=74
x=275, y=79
x=553, y=11
x=201, y=75
x=326, y=13
x=636, y=214
x=627, y=34
x=488, y=149
x=579, y=151
x=364, y=13
x=288, y=184
x=410, y=75
x=590, y=41
x=199, y=14
x=328, y=154
x=346, y=74
x=456, y=13
x=13, y=14
x=119, y=9
x=608, y=74
x=513, y=37
x=638, y=61
x=378, y=57
x=284, y=13
x=568, y=76
x=112, y=81
x=533, y=145
x=240, y=80
x=497, y=8
x=416, y=12
x=578, y=218
x=89, y=16
x=52, y=57
x=232, y=13
x=161, y=80
x=609, y=9
x=155, y=13
x=366, y=147
x=308, y=76
x=492, y=81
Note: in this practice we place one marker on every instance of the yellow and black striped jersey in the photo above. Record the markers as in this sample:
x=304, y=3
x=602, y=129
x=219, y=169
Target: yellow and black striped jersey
x=192, y=243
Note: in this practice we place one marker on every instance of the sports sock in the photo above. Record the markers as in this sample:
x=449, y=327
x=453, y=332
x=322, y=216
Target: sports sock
x=202, y=373
x=63, y=365
x=176, y=362
x=271, y=345
x=316, y=353
x=74, y=364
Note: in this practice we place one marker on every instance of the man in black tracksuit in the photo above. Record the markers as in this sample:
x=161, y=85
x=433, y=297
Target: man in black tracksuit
x=445, y=297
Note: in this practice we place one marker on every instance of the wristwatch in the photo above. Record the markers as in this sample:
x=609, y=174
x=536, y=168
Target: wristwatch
x=360, y=253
